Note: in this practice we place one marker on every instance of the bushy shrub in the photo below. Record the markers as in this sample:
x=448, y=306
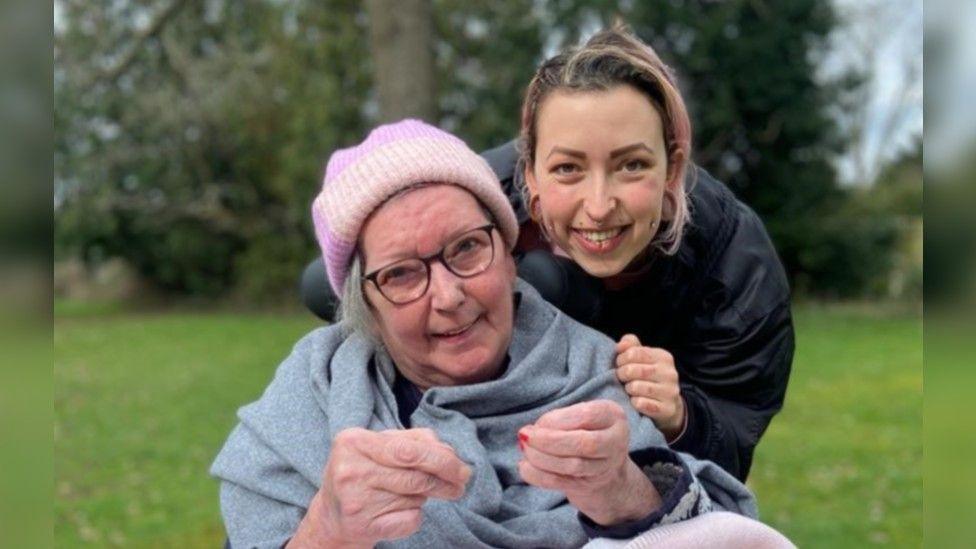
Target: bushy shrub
x=845, y=255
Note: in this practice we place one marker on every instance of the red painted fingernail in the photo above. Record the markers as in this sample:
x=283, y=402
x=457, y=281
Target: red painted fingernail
x=523, y=440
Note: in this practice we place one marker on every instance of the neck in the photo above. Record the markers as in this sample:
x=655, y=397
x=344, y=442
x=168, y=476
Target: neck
x=634, y=271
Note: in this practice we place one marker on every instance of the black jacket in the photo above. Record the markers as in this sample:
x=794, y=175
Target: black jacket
x=720, y=306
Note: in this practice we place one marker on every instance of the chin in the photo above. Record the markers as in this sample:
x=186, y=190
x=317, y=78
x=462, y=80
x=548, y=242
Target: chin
x=470, y=368
x=600, y=269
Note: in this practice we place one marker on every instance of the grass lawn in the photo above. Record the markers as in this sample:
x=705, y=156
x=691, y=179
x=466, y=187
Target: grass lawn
x=143, y=401
x=841, y=466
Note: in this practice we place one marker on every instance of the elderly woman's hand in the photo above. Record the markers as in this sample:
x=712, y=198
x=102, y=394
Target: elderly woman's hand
x=651, y=379
x=375, y=484
x=582, y=451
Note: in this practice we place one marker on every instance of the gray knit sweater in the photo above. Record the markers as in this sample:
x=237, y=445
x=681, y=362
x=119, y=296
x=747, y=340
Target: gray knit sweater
x=271, y=466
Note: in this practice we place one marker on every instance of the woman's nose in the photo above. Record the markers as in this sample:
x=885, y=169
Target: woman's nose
x=446, y=290
x=599, y=204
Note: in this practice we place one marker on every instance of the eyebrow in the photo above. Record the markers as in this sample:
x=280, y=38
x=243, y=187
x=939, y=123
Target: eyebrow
x=569, y=152
x=613, y=154
x=629, y=148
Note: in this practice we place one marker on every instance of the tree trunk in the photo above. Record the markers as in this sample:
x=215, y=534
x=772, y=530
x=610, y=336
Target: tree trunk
x=402, y=45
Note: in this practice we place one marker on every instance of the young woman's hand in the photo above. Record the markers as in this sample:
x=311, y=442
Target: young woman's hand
x=374, y=485
x=651, y=380
x=582, y=451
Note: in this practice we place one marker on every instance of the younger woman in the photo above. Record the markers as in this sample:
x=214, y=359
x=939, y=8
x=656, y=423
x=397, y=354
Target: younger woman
x=622, y=232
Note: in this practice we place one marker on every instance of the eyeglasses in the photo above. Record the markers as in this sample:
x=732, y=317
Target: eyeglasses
x=407, y=280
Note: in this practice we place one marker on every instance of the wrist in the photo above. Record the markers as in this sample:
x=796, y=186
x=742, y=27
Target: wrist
x=673, y=430
x=631, y=498
x=313, y=533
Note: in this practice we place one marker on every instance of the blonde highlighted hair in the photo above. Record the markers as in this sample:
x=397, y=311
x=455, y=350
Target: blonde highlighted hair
x=611, y=58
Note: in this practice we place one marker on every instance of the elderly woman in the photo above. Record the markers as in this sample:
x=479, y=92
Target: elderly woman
x=452, y=406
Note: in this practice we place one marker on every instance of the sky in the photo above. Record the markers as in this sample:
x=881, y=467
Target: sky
x=950, y=136
x=884, y=38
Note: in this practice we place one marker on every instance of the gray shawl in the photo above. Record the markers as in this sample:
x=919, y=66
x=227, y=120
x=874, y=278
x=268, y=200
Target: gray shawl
x=271, y=465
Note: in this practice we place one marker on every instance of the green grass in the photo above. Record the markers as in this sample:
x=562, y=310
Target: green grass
x=841, y=466
x=143, y=402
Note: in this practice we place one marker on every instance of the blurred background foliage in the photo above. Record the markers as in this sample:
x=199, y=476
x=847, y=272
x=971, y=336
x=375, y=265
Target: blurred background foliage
x=192, y=135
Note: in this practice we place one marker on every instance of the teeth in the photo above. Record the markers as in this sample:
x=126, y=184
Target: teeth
x=599, y=236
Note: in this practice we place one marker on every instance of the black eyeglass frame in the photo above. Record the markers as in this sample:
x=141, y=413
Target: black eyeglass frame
x=439, y=256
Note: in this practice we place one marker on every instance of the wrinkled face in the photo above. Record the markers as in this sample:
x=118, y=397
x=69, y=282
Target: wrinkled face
x=458, y=332
x=600, y=173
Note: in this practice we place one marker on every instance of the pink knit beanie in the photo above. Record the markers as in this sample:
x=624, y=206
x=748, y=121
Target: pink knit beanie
x=392, y=158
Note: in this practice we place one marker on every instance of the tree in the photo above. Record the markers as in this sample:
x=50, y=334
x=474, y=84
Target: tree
x=486, y=53
x=402, y=47
x=191, y=137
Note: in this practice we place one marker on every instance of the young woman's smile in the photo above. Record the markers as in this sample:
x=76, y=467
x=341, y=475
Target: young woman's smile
x=600, y=175
x=601, y=241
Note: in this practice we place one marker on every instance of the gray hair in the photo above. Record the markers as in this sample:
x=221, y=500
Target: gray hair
x=354, y=311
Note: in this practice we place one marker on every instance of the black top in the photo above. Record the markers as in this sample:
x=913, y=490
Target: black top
x=720, y=306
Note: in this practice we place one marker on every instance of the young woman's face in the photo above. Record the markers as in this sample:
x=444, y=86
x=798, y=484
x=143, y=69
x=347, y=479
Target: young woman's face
x=600, y=172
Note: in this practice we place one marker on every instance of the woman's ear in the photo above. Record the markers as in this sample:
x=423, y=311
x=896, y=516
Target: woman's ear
x=529, y=175
x=532, y=186
x=675, y=159
x=511, y=271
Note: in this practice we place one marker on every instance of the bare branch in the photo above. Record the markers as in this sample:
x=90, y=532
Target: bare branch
x=154, y=28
